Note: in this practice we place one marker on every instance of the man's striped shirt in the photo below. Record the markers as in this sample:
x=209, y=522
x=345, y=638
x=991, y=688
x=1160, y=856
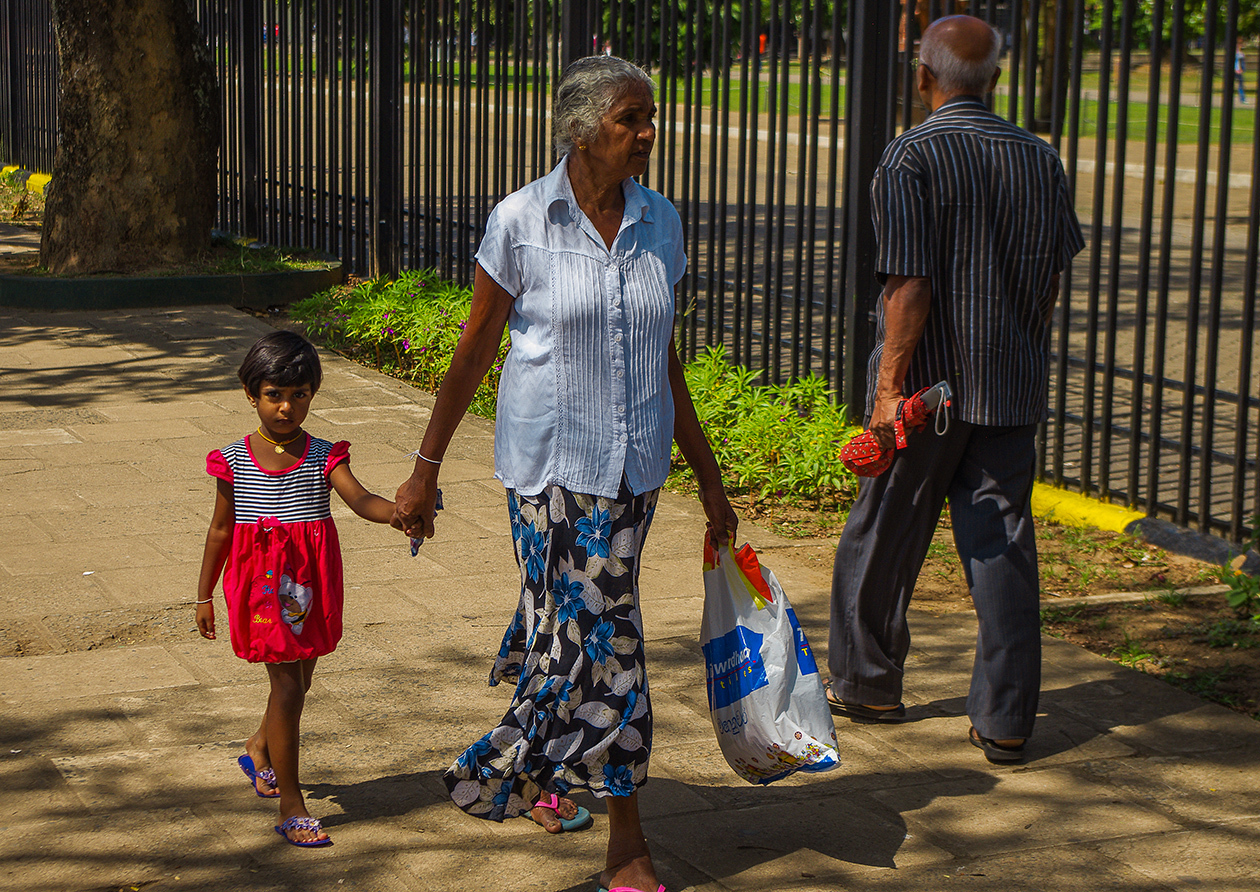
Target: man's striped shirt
x=981, y=208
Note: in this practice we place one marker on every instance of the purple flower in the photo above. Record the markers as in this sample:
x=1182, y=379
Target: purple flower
x=385, y=315
x=406, y=344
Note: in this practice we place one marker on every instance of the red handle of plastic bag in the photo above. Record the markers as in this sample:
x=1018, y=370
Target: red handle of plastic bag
x=747, y=563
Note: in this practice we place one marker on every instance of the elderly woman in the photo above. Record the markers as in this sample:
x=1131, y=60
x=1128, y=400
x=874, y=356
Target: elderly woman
x=581, y=266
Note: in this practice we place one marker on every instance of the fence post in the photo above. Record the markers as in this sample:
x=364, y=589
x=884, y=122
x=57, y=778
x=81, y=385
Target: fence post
x=251, y=87
x=577, y=28
x=868, y=124
x=8, y=126
x=385, y=238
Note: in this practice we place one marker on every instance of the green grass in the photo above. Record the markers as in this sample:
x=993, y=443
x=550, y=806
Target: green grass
x=1132, y=652
x=1205, y=684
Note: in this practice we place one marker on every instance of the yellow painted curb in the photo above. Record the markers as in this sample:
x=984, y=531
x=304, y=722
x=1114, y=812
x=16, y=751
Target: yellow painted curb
x=1074, y=509
x=36, y=183
x=8, y=169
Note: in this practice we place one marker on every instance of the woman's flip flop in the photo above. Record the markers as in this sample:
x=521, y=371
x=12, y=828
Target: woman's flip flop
x=577, y=822
x=296, y=823
x=266, y=775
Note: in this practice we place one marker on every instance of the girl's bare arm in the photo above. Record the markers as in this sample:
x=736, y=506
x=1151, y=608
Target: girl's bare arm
x=367, y=505
x=218, y=539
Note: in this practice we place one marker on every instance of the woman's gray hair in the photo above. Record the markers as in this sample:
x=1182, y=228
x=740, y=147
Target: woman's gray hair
x=587, y=90
x=954, y=74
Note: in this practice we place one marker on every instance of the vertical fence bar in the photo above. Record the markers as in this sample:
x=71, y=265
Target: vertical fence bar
x=1212, y=330
x=1017, y=45
x=249, y=85
x=1137, y=420
x=1128, y=8
x=1195, y=296
x=8, y=75
x=1088, y=482
x=750, y=118
x=386, y=90
x=1159, y=338
x=1075, y=70
x=1244, y=402
x=866, y=124
x=717, y=143
x=831, y=319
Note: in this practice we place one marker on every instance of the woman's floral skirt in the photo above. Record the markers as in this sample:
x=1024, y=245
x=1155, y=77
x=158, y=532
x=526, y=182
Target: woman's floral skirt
x=580, y=717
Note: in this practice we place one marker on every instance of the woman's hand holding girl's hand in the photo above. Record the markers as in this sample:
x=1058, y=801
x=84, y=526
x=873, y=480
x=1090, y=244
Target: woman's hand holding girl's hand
x=205, y=620
x=415, y=506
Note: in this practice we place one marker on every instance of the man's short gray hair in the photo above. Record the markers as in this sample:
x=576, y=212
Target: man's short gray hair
x=956, y=75
x=587, y=90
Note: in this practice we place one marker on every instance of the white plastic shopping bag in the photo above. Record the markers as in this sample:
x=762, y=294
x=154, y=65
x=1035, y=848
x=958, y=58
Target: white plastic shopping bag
x=768, y=705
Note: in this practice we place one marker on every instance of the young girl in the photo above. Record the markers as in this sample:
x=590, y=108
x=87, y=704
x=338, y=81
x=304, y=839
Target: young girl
x=282, y=583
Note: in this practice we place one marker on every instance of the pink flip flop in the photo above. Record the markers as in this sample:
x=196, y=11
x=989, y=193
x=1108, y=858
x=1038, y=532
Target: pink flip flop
x=552, y=801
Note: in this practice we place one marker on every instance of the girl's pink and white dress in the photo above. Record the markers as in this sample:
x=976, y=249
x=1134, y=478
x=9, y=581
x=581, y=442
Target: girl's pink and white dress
x=282, y=579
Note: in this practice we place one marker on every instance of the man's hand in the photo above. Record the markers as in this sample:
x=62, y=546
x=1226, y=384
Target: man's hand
x=883, y=416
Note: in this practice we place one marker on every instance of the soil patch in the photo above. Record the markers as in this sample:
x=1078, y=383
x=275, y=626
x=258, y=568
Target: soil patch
x=1198, y=643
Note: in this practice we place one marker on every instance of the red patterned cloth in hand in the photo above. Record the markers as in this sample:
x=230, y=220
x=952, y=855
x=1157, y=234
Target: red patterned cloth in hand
x=865, y=457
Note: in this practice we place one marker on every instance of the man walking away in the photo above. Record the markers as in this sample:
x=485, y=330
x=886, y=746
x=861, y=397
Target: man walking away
x=974, y=223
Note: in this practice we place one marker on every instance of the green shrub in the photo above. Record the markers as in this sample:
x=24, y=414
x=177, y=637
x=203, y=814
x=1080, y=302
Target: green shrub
x=407, y=328
x=773, y=442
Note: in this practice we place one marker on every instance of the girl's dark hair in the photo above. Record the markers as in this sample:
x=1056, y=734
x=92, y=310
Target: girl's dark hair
x=284, y=358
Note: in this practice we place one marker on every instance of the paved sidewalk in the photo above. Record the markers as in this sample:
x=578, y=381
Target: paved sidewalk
x=117, y=763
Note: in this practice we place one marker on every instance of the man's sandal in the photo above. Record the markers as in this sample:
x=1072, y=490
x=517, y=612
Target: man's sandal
x=552, y=801
x=856, y=712
x=994, y=751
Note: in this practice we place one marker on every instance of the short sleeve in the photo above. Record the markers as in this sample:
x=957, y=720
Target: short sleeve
x=340, y=452
x=496, y=255
x=675, y=253
x=902, y=217
x=1071, y=239
x=217, y=466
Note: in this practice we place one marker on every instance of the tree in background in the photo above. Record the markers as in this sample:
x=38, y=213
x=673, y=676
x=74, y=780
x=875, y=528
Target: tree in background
x=1193, y=24
x=133, y=181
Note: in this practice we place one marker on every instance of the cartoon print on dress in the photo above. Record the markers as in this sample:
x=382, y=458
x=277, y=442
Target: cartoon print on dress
x=295, y=602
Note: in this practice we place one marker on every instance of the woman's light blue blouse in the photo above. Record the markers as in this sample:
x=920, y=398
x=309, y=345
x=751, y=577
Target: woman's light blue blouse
x=584, y=397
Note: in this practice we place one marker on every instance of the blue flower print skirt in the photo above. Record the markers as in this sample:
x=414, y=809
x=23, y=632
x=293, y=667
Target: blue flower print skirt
x=580, y=716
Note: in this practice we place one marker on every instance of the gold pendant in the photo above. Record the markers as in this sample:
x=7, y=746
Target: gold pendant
x=279, y=450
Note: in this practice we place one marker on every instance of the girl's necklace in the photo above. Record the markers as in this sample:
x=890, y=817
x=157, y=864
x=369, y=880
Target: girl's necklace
x=279, y=444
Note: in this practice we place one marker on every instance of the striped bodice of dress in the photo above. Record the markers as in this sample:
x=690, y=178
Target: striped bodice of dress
x=299, y=493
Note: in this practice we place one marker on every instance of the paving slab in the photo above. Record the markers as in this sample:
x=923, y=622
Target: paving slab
x=118, y=763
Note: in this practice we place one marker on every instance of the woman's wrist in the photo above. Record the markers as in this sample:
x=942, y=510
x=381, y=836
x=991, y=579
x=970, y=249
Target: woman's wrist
x=420, y=456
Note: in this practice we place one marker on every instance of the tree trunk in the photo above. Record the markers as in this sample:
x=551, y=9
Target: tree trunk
x=133, y=182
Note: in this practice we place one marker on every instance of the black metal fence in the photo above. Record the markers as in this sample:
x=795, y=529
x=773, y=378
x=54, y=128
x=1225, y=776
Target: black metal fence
x=28, y=84
x=384, y=132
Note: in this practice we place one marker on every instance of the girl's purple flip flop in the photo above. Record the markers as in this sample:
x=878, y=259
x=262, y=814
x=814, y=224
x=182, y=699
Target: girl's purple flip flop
x=296, y=823
x=267, y=776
